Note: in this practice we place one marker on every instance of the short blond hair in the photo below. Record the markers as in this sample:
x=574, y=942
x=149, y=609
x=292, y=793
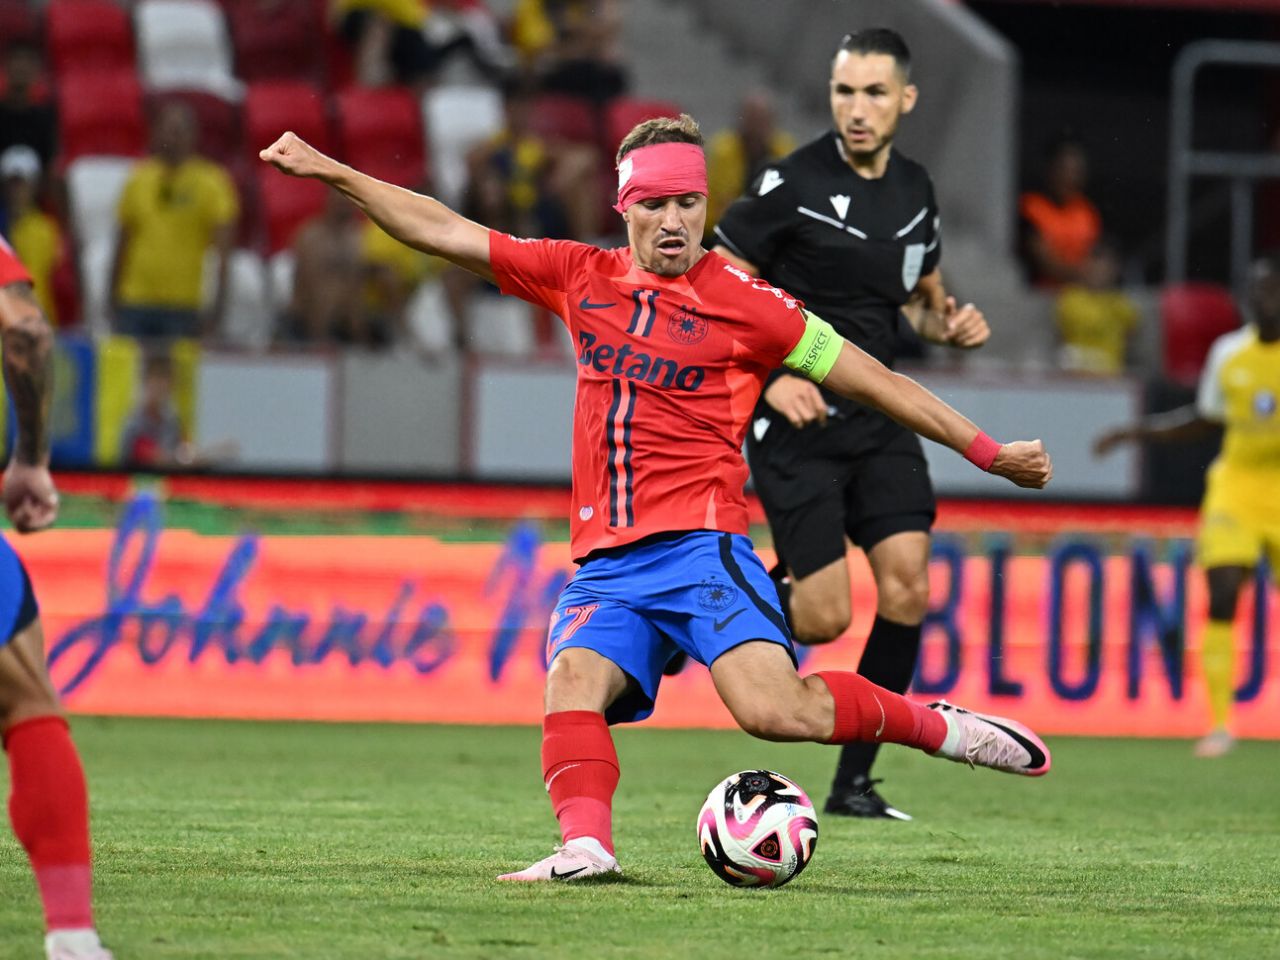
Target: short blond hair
x=681, y=129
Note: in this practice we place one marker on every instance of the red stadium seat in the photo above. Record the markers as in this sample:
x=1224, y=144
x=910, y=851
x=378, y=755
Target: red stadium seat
x=101, y=113
x=19, y=23
x=286, y=203
x=276, y=40
x=625, y=112
x=1192, y=316
x=88, y=35
x=272, y=107
x=559, y=117
x=380, y=132
x=217, y=120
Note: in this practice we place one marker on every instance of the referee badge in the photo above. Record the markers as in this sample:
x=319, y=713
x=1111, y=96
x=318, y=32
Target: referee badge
x=912, y=261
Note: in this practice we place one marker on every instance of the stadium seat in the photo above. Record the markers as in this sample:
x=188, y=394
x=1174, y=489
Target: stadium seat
x=559, y=117
x=286, y=203
x=94, y=185
x=249, y=320
x=183, y=44
x=276, y=41
x=217, y=120
x=457, y=119
x=88, y=36
x=272, y=107
x=101, y=113
x=625, y=112
x=1192, y=316
x=380, y=133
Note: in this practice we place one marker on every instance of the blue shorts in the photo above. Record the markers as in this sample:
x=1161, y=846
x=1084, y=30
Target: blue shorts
x=18, y=608
x=703, y=592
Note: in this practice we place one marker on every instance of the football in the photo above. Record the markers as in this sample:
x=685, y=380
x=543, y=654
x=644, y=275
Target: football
x=757, y=829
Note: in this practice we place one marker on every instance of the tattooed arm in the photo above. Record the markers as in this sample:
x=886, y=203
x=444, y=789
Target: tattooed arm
x=27, y=342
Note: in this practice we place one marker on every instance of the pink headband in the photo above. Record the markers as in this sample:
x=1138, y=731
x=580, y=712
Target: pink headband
x=661, y=170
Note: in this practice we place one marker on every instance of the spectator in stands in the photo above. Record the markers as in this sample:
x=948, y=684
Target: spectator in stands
x=32, y=232
x=24, y=118
x=153, y=435
x=1095, y=317
x=1060, y=226
x=736, y=155
x=536, y=188
x=175, y=206
x=407, y=41
x=327, y=301
x=573, y=46
x=393, y=274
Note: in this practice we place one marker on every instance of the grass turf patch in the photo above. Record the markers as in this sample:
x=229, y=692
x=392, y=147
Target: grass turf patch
x=249, y=840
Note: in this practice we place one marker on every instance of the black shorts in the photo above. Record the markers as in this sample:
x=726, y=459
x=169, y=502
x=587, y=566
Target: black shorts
x=862, y=476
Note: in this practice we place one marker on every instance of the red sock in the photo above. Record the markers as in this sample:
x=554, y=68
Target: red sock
x=49, y=809
x=868, y=713
x=580, y=769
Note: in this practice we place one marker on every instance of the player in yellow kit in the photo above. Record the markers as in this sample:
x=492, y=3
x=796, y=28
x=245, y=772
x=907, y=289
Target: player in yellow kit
x=1240, y=513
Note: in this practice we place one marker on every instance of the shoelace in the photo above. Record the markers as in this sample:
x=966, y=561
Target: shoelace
x=1004, y=754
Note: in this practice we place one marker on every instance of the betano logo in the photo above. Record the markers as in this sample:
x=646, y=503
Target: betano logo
x=637, y=365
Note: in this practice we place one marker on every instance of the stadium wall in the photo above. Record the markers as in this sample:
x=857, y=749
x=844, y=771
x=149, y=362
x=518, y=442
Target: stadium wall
x=1080, y=623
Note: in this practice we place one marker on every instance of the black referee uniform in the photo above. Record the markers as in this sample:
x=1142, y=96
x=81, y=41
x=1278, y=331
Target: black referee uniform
x=853, y=249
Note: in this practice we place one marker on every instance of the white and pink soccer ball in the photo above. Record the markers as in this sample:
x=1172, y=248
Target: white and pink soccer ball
x=757, y=829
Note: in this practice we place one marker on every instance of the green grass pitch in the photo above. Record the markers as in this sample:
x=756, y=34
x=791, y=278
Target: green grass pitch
x=245, y=840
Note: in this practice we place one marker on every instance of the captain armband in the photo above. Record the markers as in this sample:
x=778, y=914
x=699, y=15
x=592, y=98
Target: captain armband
x=816, y=353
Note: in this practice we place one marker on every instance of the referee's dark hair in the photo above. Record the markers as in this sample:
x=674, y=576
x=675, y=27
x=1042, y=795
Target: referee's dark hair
x=878, y=40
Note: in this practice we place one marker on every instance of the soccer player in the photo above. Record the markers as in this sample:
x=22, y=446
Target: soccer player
x=1240, y=513
x=48, y=802
x=850, y=225
x=673, y=345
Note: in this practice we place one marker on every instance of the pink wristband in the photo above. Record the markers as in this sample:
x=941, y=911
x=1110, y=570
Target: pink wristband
x=982, y=451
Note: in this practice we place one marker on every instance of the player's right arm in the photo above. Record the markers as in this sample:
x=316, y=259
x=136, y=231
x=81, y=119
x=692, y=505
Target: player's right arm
x=1183, y=425
x=29, y=494
x=827, y=358
x=421, y=222
x=1187, y=424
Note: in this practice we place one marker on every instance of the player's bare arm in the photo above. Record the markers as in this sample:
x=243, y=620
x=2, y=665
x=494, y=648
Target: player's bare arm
x=855, y=374
x=796, y=398
x=418, y=221
x=936, y=316
x=27, y=341
x=1183, y=425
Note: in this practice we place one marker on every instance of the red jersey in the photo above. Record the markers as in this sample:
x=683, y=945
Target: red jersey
x=669, y=369
x=11, y=268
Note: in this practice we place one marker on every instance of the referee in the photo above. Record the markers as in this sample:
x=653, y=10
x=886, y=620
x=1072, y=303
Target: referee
x=850, y=225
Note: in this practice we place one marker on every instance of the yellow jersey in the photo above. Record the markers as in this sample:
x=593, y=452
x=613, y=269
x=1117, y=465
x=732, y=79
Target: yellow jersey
x=727, y=173
x=170, y=215
x=38, y=244
x=1240, y=387
x=1095, y=327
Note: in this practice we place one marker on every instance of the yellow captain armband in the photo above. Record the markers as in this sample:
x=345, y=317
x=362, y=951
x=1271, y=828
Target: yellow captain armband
x=816, y=353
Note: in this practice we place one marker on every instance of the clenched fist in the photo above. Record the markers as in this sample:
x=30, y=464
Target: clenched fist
x=294, y=156
x=1025, y=463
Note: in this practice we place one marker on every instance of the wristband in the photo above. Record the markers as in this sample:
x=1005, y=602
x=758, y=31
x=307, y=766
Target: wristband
x=982, y=451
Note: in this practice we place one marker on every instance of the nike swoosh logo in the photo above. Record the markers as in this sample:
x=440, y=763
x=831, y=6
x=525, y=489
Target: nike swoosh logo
x=566, y=875
x=586, y=304
x=1037, y=755
x=567, y=766
x=879, y=729
x=721, y=624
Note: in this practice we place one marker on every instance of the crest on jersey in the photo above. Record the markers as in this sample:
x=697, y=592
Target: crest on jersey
x=912, y=261
x=1264, y=404
x=716, y=595
x=685, y=326
x=624, y=171
x=770, y=180
x=841, y=203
